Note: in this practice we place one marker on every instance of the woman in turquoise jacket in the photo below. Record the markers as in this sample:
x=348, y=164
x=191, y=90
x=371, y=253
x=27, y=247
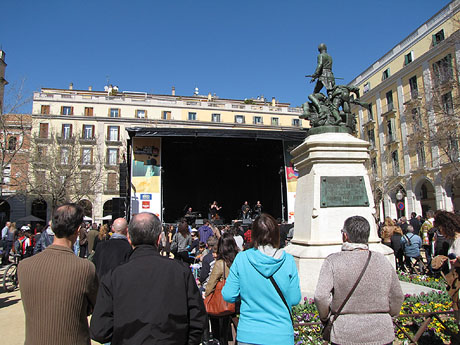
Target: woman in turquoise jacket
x=264, y=318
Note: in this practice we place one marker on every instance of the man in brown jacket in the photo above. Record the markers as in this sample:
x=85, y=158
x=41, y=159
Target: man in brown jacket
x=58, y=289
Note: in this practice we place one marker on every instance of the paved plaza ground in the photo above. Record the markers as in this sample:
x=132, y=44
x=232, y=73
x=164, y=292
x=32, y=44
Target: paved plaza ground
x=12, y=313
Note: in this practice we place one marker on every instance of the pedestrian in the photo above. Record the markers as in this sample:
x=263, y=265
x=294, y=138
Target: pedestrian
x=427, y=237
x=8, y=243
x=46, y=239
x=181, y=243
x=264, y=317
x=114, y=252
x=363, y=319
x=58, y=289
x=398, y=248
x=226, y=252
x=150, y=299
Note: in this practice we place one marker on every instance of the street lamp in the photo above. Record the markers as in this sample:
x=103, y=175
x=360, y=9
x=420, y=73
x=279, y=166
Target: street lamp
x=399, y=195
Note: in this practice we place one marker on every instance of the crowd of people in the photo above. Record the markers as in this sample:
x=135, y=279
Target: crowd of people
x=146, y=282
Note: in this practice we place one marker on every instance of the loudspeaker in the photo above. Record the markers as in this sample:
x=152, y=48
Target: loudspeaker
x=118, y=208
x=218, y=221
x=199, y=222
x=247, y=221
x=123, y=180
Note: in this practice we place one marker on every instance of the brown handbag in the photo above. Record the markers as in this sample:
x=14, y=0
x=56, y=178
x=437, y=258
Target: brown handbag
x=215, y=304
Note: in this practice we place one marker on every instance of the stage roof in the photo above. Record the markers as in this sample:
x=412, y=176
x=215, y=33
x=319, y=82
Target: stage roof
x=288, y=135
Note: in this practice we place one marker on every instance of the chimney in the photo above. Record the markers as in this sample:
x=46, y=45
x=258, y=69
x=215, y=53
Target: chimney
x=2, y=55
x=71, y=86
x=173, y=91
x=90, y=88
x=273, y=101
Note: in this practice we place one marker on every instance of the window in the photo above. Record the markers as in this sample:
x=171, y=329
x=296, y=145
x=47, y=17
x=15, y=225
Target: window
x=366, y=87
x=88, y=111
x=239, y=119
x=6, y=174
x=389, y=97
x=413, y=87
x=442, y=70
x=114, y=112
x=192, y=116
x=166, y=115
x=215, y=117
x=447, y=103
x=296, y=122
x=452, y=149
x=438, y=37
x=257, y=120
x=141, y=114
x=12, y=141
x=275, y=121
x=66, y=131
x=45, y=109
x=416, y=120
x=408, y=58
x=370, y=114
x=112, y=156
x=88, y=132
x=40, y=178
x=86, y=156
x=386, y=74
x=374, y=165
x=371, y=137
x=113, y=133
x=65, y=155
x=65, y=110
x=111, y=181
x=41, y=152
x=395, y=160
x=421, y=154
x=391, y=130
x=43, y=131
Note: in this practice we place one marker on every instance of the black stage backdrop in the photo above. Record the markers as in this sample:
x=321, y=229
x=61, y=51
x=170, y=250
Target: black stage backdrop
x=198, y=170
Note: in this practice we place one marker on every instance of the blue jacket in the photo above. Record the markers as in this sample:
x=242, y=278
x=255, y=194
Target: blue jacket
x=412, y=250
x=264, y=319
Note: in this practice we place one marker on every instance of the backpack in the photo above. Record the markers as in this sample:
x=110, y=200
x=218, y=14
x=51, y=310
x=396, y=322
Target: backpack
x=19, y=246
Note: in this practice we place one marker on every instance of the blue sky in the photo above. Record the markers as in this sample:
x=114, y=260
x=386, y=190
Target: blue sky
x=236, y=49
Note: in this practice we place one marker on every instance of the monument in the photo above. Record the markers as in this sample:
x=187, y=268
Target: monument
x=333, y=183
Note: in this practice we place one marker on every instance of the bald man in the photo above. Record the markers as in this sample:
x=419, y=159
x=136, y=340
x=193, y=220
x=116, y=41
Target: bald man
x=109, y=254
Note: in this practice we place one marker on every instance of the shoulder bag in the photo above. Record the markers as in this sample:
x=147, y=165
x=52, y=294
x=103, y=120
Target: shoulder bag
x=326, y=334
x=215, y=303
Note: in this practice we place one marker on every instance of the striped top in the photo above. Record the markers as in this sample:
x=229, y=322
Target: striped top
x=58, y=291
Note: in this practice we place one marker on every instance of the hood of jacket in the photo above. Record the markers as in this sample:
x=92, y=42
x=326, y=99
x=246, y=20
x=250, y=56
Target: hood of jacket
x=265, y=264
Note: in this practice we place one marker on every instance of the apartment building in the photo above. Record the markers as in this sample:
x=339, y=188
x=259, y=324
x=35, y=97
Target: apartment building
x=101, y=123
x=412, y=122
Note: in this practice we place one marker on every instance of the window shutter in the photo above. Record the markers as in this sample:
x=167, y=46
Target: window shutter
x=71, y=110
x=433, y=39
x=92, y=132
x=145, y=114
x=71, y=131
x=91, y=156
x=62, y=131
x=108, y=114
x=119, y=112
x=62, y=110
x=118, y=133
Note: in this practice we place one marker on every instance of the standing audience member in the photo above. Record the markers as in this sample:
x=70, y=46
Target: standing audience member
x=103, y=236
x=46, y=239
x=403, y=224
x=92, y=234
x=208, y=261
x=58, y=289
x=83, y=241
x=150, y=299
x=387, y=231
x=411, y=244
x=415, y=222
x=264, y=318
x=8, y=244
x=182, y=241
x=205, y=231
x=114, y=252
x=426, y=237
x=226, y=253
x=398, y=248
x=364, y=319
x=237, y=237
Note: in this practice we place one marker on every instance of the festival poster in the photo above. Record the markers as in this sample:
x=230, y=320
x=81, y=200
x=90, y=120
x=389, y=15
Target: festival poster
x=146, y=176
x=291, y=179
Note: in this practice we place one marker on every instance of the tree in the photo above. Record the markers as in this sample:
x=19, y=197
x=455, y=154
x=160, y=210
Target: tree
x=64, y=169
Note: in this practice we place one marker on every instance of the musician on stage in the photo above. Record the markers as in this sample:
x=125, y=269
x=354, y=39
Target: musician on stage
x=189, y=212
x=257, y=209
x=245, y=210
x=214, y=210
x=190, y=216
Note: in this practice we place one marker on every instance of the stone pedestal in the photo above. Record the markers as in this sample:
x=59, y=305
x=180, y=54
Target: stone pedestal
x=317, y=224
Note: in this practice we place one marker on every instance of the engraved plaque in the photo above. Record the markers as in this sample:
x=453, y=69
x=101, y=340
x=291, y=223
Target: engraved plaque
x=343, y=191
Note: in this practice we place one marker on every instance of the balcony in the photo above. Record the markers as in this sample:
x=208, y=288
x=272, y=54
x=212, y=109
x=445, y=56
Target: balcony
x=412, y=97
x=87, y=141
x=388, y=109
x=390, y=140
x=109, y=142
x=66, y=140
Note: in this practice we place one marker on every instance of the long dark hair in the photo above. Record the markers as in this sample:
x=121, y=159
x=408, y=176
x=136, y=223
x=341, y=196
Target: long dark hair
x=448, y=222
x=183, y=229
x=227, y=248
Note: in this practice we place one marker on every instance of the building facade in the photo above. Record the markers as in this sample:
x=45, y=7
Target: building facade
x=412, y=121
x=95, y=123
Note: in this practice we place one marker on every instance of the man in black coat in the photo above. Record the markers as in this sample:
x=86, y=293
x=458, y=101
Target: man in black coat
x=114, y=252
x=150, y=299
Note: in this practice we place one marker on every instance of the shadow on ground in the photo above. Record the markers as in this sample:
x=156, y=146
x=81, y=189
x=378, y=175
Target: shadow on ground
x=7, y=301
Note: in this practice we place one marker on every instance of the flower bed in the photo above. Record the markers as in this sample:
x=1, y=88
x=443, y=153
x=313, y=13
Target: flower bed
x=422, y=303
x=434, y=283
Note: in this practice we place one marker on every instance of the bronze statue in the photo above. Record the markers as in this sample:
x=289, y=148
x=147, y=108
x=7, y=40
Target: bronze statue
x=332, y=110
